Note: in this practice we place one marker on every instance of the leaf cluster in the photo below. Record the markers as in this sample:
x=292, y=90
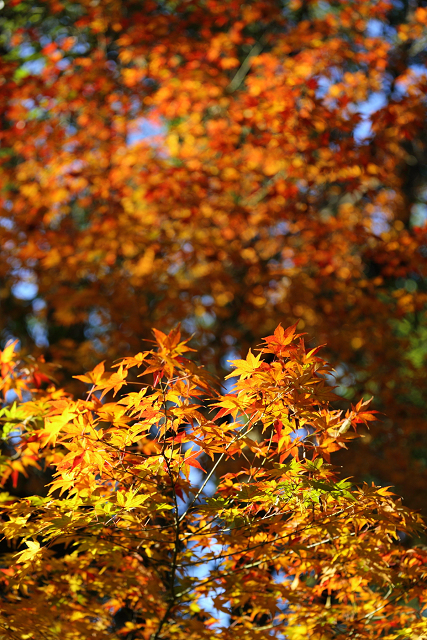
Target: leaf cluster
x=139, y=536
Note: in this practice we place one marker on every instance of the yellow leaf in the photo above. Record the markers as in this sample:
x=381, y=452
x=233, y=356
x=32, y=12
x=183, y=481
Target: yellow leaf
x=30, y=553
x=54, y=425
x=245, y=367
x=8, y=352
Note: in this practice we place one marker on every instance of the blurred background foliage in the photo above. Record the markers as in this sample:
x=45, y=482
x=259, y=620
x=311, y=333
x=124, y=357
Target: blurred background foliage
x=227, y=165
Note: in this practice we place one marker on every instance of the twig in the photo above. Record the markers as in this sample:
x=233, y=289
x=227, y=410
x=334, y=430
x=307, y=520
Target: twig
x=246, y=65
x=368, y=615
x=212, y=471
x=256, y=197
x=173, y=595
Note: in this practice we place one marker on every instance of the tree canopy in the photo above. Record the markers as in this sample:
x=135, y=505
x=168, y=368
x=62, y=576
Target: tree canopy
x=130, y=543
x=230, y=165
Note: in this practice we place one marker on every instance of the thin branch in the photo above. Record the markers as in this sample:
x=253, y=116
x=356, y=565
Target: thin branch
x=372, y=613
x=173, y=595
x=256, y=563
x=212, y=471
x=256, y=197
x=246, y=65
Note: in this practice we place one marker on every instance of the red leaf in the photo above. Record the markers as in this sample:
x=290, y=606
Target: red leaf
x=15, y=475
x=77, y=460
x=191, y=460
x=278, y=425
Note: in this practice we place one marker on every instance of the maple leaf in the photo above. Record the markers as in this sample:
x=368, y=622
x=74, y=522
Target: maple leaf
x=8, y=352
x=244, y=368
x=230, y=406
x=94, y=377
x=29, y=554
x=134, y=361
x=115, y=382
x=190, y=459
x=55, y=424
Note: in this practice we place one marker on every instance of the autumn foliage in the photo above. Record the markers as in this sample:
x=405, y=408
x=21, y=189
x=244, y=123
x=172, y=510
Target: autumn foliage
x=140, y=536
x=228, y=166
x=215, y=163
